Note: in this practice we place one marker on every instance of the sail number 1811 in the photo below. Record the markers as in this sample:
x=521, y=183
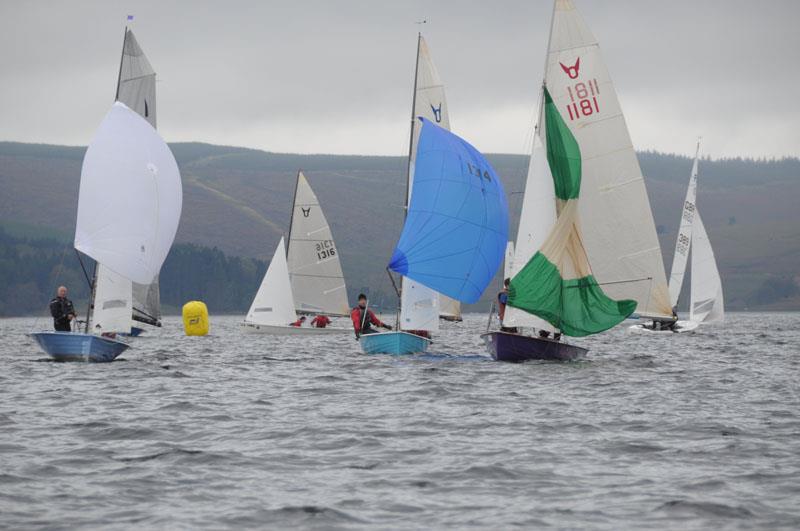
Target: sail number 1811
x=583, y=99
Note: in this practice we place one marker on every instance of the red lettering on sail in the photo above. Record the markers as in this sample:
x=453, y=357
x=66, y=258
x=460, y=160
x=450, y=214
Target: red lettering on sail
x=572, y=71
x=583, y=99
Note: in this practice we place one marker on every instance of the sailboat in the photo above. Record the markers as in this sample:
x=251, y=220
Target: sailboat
x=136, y=88
x=307, y=278
x=586, y=253
x=128, y=174
x=421, y=308
x=455, y=233
x=706, y=299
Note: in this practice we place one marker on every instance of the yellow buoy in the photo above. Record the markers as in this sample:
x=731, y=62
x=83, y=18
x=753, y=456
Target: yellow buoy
x=195, y=318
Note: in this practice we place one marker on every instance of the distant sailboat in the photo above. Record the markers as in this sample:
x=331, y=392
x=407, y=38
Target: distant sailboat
x=128, y=174
x=136, y=88
x=587, y=254
x=455, y=234
x=706, y=299
x=306, y=279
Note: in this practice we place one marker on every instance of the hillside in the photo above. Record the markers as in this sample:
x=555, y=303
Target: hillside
x=238, y=200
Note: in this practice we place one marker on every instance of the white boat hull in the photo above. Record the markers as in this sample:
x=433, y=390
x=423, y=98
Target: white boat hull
x=278, y=330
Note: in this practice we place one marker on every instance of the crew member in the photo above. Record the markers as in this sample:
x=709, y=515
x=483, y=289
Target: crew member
x=62, y=310
x=502, y=300
x=320, y=321
x=299, y=322
x=363, y=318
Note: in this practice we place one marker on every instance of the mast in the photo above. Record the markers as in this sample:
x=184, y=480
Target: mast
x=291, y=216
x=411, y=135
x=121, y=59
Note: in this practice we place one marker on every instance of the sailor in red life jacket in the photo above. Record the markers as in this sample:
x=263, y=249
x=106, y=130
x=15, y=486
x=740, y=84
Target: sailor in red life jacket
x=299, y=322
x=363, y=318
x=320, y=321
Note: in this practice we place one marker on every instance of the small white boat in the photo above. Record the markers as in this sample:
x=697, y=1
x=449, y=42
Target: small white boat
x=706, y=304
x=306, y=279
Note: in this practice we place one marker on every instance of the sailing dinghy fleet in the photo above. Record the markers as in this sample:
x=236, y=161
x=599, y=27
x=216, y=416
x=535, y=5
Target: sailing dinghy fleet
x=586, y=255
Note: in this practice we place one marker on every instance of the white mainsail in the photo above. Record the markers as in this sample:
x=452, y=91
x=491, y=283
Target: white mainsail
x=618, y=229
x=112, y=303
x=707, y=302
x=137, y=89
x=128, y=174
x=317, y=282
x=684, y=241
x=273, y=303
x=420, y=306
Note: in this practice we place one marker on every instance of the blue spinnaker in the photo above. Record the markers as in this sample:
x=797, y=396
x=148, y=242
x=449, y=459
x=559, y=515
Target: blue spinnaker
x=455, y=234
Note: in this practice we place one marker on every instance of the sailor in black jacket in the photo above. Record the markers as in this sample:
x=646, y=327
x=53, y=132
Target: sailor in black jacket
x=62, y=310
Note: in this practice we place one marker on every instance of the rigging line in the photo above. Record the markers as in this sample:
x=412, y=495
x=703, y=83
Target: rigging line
x=85, y=273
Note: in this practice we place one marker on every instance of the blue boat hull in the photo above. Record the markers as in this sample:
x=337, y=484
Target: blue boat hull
x=135, y=331
x=70, y=346
x=515, y=348
x=393, y=343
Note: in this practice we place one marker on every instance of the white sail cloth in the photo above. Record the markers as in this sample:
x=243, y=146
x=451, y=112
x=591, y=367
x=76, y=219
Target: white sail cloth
x=112, y=303
x=420, y=306
x=535, y=223
x=618, y=229
x=273, y=303
x=130, y=197
x=684, y=241
x=707, y=302
x=315, y=271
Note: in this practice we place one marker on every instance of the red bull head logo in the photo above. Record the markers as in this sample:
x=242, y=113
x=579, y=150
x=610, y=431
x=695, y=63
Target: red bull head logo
x=571, y=71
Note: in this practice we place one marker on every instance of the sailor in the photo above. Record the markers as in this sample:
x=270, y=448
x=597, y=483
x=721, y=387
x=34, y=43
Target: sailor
x=363, y=318
x=62, y=310
x=320, y=321
x=502, y=300
x=299, y=322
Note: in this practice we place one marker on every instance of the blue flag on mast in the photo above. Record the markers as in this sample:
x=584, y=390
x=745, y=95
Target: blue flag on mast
x=455, y=234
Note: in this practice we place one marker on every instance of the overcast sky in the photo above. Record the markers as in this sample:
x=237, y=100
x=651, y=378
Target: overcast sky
x=336, y=76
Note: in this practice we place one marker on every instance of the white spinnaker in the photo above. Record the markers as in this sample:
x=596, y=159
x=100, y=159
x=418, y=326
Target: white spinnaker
x=535, y=223
x=112, y=303
x=317, y=281
x=420, y=306
x=684, y=241
x=274, y=304
x=137, y=90
x=130, y=197
x=707, y=303
x=618, y=229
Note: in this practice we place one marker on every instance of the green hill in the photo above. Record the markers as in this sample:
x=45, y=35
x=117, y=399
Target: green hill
x=238, y=200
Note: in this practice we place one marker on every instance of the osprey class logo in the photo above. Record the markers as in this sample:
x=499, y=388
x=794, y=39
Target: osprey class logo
x=306, y=211
x=437, y=112
x=571, y=71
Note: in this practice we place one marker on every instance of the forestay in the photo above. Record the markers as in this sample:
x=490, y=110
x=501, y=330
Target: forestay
x=317, y=281
x=112, y=303
x=456, y=231
x=128, y=174
x=420, y=306
x=684, y=241
x=274, y=304
x=707, y=301
x=618, y=229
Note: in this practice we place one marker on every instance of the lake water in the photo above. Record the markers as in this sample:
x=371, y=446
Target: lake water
x=691, y=431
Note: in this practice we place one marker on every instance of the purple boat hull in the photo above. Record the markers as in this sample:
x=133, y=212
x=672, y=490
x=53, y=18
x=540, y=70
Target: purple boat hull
x=515, y=348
